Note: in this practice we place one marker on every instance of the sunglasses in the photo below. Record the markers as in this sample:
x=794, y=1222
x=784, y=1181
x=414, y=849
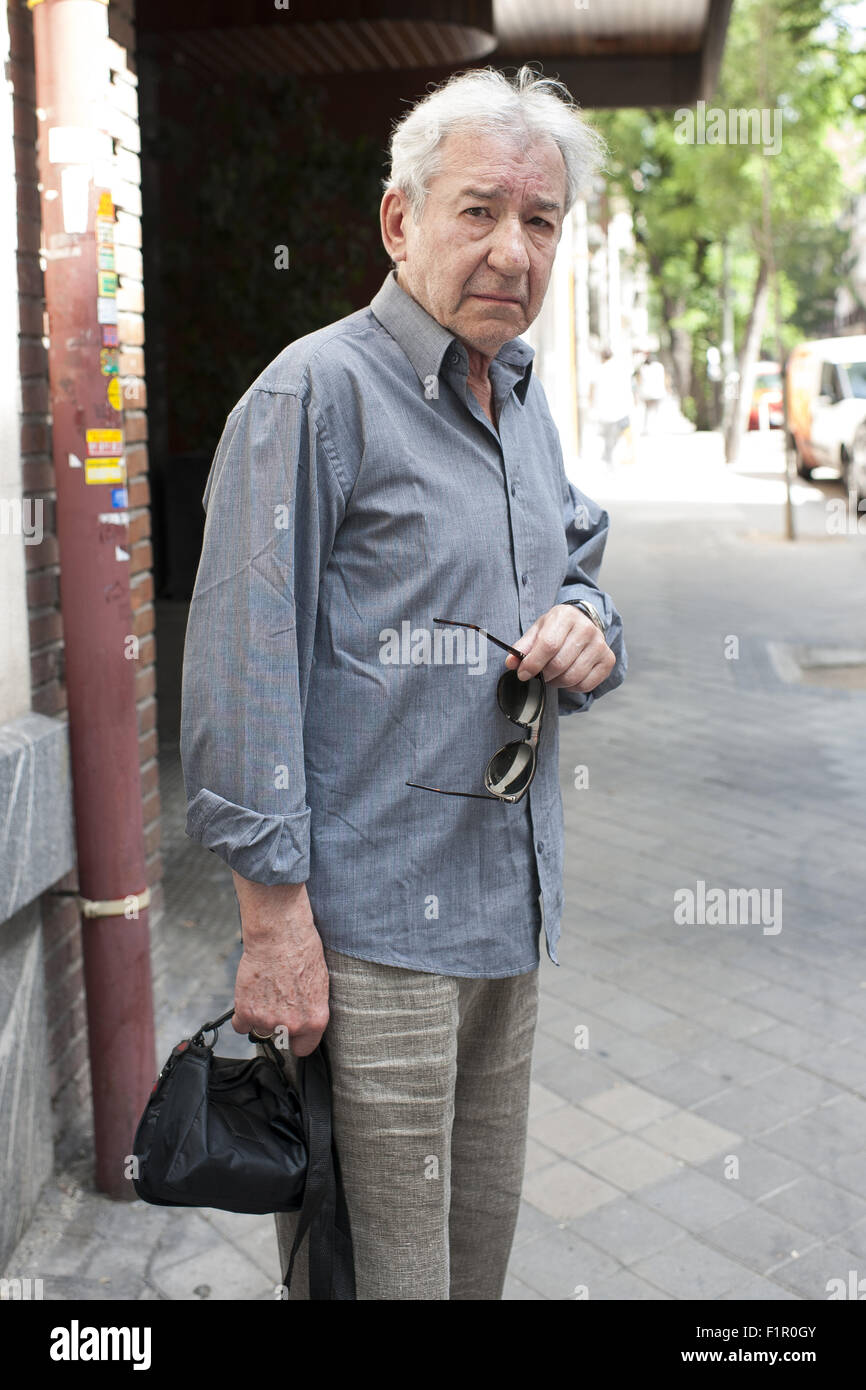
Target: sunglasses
x=511, y=770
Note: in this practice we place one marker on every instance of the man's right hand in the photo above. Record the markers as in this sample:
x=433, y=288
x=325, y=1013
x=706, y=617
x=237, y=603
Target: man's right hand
x=282, y=980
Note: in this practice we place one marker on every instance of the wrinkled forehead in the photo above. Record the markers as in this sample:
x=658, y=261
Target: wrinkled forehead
x=510, y=168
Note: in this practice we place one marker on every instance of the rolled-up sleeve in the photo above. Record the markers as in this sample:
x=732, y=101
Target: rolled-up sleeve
x=586, y=528
x=273, y=503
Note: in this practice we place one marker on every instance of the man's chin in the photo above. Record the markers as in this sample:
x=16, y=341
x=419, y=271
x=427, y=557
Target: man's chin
x=488, y=333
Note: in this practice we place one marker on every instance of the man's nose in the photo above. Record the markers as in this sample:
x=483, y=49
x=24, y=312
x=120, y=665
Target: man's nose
x=508, y=250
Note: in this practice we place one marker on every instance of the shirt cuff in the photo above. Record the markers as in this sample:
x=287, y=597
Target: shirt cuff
x=264, y=849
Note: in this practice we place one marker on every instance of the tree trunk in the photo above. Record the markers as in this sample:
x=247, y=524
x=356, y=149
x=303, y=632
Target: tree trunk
x=705, y=413
x=727, y=346
x=748, y=357
x=678, y=358
x=681, y=354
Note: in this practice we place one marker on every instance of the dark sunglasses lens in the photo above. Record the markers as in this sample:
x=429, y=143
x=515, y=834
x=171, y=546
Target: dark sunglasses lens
x=520, y=700
x=509, y=771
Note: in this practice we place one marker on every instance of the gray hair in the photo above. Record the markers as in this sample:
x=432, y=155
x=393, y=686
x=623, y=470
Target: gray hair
x=529, y=106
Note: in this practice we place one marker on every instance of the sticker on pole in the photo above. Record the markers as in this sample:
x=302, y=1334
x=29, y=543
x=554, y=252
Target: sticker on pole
x=102, y=442
x=104, y=471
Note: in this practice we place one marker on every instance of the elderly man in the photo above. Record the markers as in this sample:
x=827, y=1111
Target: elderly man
x=389, y=480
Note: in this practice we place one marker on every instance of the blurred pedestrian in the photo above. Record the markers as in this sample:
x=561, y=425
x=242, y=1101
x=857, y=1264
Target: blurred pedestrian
x=612, y=399
x=652, y=386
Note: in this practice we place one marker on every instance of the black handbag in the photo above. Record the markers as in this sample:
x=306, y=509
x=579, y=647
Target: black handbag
x=234, y=1134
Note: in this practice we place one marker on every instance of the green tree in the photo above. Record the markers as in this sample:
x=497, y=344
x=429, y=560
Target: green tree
x=776, y=213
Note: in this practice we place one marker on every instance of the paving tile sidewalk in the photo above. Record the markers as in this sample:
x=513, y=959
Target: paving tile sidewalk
x=698, y=1122
x=710, y=1142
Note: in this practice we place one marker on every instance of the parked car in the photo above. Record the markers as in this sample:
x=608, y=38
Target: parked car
x=826, y=386
x=766, y=404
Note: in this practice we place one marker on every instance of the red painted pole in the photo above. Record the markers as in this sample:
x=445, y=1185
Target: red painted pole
x=78, y=221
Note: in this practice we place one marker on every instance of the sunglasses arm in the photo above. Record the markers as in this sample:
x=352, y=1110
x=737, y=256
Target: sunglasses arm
x=454, y=622
x=478, y=796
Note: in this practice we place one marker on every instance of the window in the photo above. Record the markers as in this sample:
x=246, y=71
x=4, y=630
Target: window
x=856, y=373
x=829, y=383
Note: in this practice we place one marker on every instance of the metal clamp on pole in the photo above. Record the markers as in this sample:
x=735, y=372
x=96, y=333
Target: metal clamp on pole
x=113, y=907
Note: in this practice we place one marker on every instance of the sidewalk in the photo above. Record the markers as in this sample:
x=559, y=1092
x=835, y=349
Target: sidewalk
x=710, y=1140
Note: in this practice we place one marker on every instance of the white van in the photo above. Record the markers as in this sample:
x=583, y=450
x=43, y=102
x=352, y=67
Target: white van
x=826, y=387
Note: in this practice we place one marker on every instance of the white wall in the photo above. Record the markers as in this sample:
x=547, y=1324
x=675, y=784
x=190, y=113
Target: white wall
x=14, y=636
x=552, y=337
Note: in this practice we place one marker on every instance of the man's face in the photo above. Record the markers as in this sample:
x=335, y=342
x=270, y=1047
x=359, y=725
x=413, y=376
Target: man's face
x=480, y=259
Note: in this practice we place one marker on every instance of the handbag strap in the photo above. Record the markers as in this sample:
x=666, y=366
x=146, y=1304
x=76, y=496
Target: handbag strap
x=323, y=1211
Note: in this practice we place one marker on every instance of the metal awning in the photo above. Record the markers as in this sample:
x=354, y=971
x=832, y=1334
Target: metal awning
x=216, y=38
x=619, y=52
x=609, y=53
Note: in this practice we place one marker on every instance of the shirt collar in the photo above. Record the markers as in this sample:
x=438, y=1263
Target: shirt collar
x=425, y=341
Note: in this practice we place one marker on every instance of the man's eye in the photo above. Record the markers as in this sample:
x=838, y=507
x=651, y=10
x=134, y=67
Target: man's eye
x=475, y=210
x=543, y=220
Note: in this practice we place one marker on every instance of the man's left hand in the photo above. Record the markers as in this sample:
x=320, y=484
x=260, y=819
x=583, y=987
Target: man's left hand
x=566, y=648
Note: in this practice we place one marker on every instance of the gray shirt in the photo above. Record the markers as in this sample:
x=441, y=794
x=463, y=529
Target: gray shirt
x=357, y=492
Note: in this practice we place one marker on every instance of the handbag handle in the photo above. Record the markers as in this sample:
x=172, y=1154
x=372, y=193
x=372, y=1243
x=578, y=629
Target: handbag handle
x=212, y=1028
x=217, y=1023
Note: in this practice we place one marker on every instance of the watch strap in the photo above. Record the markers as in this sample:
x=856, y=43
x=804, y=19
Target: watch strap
x=589, y=611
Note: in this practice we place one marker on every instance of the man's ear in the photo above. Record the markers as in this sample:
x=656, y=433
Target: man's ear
x=393, y=212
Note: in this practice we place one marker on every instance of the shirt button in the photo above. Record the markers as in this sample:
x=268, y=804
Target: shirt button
x=513, y=490
x=540, y=846
x=455, y=357
x=524, y=578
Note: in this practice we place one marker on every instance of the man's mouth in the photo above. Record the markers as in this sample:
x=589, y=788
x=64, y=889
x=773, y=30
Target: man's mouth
x=497, y=298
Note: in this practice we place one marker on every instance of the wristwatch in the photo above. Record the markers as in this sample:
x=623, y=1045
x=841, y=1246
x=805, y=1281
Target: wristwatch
x=592, y=613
